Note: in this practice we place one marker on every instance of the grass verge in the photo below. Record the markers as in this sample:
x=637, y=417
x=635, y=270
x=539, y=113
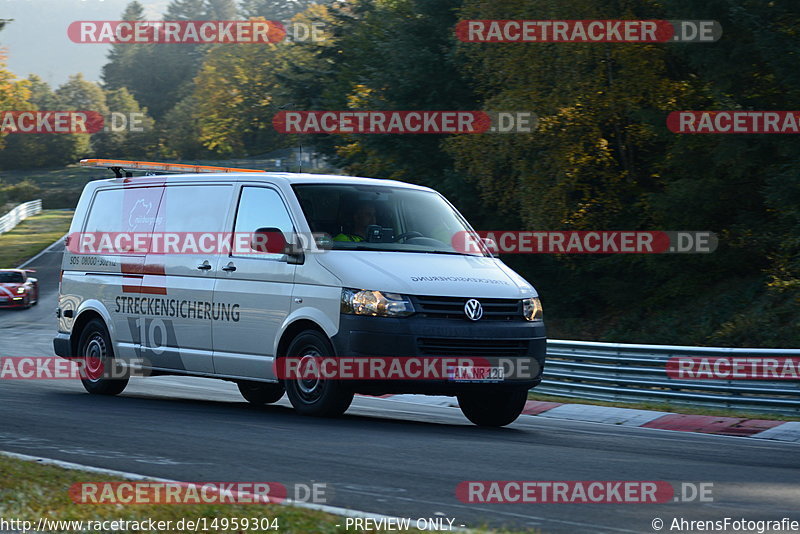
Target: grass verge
x=30, y=491
x=32, y=235
x=666, y=407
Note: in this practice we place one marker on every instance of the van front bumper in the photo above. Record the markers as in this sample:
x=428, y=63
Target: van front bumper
x=519, y=343
x=62, y=345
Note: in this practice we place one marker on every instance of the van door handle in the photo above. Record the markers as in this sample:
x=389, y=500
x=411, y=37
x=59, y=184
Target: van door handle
x=205, y=266
x=229, y=268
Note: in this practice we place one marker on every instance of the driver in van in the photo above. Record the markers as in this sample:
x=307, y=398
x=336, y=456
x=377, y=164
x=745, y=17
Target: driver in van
x=363, y=216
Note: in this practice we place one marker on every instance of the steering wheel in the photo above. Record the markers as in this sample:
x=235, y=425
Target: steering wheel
x=408, y=235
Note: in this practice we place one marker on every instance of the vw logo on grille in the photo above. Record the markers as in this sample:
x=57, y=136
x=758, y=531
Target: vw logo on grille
x=473, y=310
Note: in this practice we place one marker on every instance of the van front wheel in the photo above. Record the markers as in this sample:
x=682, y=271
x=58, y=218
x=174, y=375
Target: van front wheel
x=312, y=396
x=493, y=407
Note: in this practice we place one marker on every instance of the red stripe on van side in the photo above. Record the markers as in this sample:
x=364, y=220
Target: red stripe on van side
x=135, y=272
x=151, y=269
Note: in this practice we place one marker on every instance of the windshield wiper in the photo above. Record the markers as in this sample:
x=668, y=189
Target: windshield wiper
x=446, y=252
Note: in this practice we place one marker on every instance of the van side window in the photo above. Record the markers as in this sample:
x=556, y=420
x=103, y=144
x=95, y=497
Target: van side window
x=124, y=210
x=260, y=207
x=194, y=208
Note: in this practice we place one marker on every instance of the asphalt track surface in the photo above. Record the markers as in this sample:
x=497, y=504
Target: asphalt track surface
x=383, y=456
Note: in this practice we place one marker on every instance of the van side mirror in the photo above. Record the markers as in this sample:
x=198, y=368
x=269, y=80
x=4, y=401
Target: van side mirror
x=271, y=240
x=268, y=240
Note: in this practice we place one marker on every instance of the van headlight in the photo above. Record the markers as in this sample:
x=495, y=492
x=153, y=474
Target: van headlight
x=532, y=309
x=375, y=303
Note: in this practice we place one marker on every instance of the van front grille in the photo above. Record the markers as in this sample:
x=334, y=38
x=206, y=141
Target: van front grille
x=453, y=308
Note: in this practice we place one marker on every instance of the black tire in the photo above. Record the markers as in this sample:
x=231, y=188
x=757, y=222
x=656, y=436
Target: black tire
x=493, y=407
x=320, y=398
x=36, y=300
x=261, y=392
x=97, y=353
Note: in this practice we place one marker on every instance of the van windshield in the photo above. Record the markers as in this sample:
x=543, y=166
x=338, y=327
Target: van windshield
x=383, y=218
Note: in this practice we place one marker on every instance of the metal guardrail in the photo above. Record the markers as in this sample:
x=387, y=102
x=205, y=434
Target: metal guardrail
x=18, y=214
x=637, y=373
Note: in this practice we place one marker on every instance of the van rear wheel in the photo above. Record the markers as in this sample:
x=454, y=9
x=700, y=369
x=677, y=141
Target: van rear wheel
x=260, y=392
x=96, y=356
x=312, y=396
x=493, y=407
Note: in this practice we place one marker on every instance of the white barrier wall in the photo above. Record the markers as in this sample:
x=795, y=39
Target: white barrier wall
x=18, y=214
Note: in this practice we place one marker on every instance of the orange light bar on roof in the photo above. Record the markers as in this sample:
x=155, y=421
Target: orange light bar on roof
x=157, y=167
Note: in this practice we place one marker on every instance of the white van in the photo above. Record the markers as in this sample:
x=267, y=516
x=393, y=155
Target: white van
x=380, y=278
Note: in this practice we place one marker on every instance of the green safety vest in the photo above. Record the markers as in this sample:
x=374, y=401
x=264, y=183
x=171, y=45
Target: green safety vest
x=348, y=237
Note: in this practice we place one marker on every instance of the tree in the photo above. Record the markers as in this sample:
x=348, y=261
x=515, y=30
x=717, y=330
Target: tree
x=123, y=58
x=235, y=92
x=28, y=150
x=13, y=93
x=160, y=75
x=77, y=93
x=186, y=10
x=130, y=133
x=239, y=89
x=180, y=132
x=221, y=9
x=14, y=96
x=388, y=55
x=603, y=159
x=274, y=9
x=45, y=150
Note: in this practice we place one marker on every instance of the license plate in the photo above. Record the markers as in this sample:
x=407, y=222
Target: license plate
x=477, y=374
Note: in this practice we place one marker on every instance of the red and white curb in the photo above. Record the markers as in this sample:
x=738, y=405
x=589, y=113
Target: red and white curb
x=598, y=414
x=705, y=424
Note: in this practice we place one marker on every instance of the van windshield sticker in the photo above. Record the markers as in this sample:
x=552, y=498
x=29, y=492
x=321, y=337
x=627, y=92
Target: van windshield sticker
x=457, y=279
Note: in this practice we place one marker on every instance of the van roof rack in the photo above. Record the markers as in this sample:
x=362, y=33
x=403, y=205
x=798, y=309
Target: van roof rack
x=118, y=166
